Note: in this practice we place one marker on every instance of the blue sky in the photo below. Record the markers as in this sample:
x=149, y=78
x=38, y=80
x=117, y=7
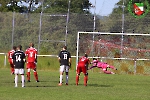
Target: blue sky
x=103, y=7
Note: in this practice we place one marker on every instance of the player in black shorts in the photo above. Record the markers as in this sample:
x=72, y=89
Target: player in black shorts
x=19, y=61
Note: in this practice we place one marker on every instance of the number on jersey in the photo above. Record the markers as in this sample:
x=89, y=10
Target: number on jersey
x=65, y=56
x=18, y=58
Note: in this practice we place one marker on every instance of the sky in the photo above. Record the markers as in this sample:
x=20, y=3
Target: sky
x=103, y=7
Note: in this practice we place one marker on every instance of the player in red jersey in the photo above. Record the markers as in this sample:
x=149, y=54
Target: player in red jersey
x=102, y=65
x=82, y=67
x=9, y=55
x=31, y=56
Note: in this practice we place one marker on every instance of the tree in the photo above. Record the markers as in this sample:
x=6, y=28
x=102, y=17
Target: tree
x=10, y=5
x=48, y=6
x=61, y=6
x=3, y=4
x=131, y=23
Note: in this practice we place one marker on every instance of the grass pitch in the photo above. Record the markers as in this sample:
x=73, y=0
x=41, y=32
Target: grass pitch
x=100, y=87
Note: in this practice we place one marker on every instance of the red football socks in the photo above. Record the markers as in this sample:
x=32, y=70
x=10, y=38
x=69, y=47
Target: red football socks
x=85, y=80
x=28, y=76
x=36, y=75
x=77, y=79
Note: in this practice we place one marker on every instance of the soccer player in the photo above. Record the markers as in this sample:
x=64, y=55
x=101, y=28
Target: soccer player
x=82, y=67
x=9, y=55
x=31, y=56
x=18, y=58
x=104, y=66
x=64, y=58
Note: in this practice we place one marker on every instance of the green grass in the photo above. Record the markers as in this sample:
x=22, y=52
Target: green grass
x=123, y=66
x=44, y=63
x=100, y=87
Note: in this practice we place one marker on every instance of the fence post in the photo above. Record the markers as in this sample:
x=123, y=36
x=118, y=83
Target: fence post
x=5, y=59
x=135, y=66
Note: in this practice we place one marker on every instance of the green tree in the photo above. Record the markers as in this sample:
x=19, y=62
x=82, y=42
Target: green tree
x=61, y=6
x=48, y=6
x=3, y=4
x=9, y=5
x=131, y=24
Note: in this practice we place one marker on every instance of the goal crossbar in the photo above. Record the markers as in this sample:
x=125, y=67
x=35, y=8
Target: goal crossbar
x=103, y=33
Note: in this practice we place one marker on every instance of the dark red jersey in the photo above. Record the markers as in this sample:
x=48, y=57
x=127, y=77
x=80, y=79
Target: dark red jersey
x=10, y=53
x=83, y=61
x=31, y=54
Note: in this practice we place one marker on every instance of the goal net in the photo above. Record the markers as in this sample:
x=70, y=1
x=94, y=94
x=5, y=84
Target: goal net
x=114, y=46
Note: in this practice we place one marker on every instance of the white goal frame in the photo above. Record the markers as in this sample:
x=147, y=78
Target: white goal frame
x=102, y=33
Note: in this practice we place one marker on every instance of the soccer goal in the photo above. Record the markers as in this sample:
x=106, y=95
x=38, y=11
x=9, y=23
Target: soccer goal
x=114, y=46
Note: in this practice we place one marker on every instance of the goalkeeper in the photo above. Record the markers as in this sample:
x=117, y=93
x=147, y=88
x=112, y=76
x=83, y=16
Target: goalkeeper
x=102, y=65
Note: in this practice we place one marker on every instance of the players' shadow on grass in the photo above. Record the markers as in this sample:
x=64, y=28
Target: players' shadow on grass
x=100, y=85
x=41, y=81
x=41, y=86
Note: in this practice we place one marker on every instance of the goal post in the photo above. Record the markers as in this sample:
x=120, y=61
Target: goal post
x=120, y=46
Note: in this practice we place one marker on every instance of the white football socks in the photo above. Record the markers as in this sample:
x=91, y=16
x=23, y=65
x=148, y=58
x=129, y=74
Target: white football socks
x=22, y=78
x=61, y=77
x=16, y=80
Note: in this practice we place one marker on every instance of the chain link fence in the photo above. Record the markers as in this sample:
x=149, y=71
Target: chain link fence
x=49, y=32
